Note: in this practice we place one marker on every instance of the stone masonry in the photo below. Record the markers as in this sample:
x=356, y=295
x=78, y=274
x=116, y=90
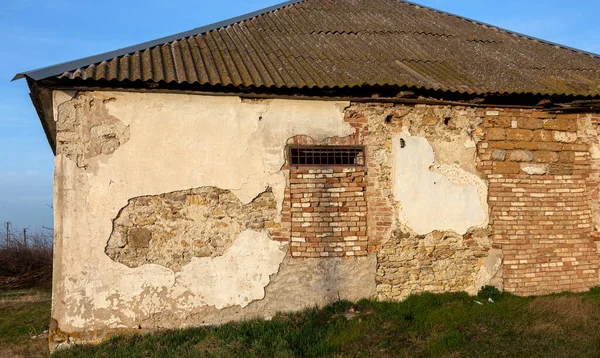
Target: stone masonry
x=171, y=229
x=442, y=260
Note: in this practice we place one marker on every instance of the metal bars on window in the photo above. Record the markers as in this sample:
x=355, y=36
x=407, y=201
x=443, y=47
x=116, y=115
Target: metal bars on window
x=327, y=156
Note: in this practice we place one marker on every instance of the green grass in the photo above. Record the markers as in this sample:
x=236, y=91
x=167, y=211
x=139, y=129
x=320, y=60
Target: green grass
x=23, y=314
x=426, y=325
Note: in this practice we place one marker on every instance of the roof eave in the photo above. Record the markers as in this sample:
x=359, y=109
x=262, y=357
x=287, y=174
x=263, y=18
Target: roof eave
x=41, y=97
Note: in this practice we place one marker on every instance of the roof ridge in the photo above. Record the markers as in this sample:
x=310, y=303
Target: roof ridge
x=529, y=37
x=379, y=32
x=54, y=70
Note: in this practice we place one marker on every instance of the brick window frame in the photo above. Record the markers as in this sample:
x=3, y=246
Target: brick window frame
x=328, y=207
x=337, y=158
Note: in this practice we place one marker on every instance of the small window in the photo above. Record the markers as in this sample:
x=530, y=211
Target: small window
x=327, y=156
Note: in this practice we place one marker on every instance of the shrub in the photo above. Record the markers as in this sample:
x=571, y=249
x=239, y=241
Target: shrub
x=26, y=266
x=489, y=292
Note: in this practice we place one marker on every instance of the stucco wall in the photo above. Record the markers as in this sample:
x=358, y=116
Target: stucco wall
x=116, y=147
x=176, y=210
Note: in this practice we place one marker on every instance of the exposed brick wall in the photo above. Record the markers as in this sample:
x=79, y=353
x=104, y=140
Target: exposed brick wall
x=543, y=198
x=589, y=131
x=538, y=173
x=379, y=208
x=328, y=212
x=283, y=232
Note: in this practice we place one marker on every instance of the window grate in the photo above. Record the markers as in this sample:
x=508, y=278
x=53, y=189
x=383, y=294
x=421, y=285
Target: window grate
x=327, y=156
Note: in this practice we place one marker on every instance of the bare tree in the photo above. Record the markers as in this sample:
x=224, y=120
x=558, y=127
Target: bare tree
x=26, y=258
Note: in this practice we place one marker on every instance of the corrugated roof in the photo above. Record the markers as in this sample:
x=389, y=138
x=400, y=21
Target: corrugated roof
x=348, y=43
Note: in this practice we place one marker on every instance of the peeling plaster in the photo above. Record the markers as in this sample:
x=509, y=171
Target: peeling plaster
x=236, y=278
x=172, y=228
x=435, y=197
x=60, y=97
x=86, y=130
x=176, y=142
x=490, y=272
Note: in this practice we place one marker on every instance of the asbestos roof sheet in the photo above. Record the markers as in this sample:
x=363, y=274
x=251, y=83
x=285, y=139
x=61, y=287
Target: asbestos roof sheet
x=347, y=44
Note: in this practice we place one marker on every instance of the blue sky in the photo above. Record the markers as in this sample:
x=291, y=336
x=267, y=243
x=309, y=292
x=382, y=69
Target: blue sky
x=38, y=33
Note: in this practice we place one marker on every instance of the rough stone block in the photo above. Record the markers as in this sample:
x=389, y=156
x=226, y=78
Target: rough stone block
x=506, y=168
x=540, y=114
x=560, y=169
x=496, y=122
x=543, y=156
x=526, y=145
x=530, y=123
x=521, y=135
x=520, y=156
x=502, y=145
x=495, y=134
x=566, y=157
x=576, y=147
x=541, y=135
x=561, y=125
x=498, y=154
x=571, y=116
x=430, y=120
x=565, y=137
x=534, y=169
x=139, y=238
x=551, y=146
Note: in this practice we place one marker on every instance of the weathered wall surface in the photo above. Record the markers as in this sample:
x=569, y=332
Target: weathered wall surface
x=329, y=212
x=179, y=210
x=143, y=184
x=427, y=201
x=542, y=186
x=170, y=229
x=450, y=197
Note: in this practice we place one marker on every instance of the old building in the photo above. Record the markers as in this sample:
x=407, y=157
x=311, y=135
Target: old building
x=312, y=151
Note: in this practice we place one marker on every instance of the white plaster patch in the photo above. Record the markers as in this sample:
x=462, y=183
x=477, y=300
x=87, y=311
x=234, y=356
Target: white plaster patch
x=470, y=143
x=218, y=141
x=236, y=278
x=488, y=272
x=448, y=198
